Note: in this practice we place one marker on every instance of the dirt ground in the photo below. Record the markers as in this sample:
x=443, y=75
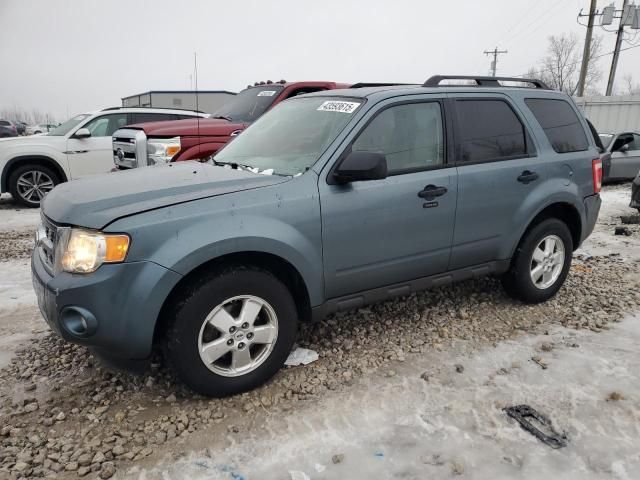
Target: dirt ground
x=412, y=388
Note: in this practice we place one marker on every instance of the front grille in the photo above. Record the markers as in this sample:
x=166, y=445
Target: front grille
x=129, y=148
x=47, y=241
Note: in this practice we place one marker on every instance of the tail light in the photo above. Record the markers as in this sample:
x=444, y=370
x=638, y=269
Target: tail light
x=596, y=170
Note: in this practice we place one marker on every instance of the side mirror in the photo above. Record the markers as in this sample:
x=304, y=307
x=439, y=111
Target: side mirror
x=82, y=133
x=359, y=166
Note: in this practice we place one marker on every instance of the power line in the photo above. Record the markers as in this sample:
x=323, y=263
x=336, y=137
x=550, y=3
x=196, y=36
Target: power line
x=576, y=63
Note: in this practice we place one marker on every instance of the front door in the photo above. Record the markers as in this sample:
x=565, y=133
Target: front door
x=625, y=156
x=381, y=232
x=89, y=156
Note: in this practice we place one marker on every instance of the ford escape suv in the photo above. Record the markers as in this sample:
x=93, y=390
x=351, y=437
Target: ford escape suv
x=330, y=201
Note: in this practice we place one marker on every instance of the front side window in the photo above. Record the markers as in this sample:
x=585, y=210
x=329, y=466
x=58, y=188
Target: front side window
x=69, y=125
x=488, y=130
x=248, y=105
x=410, y=136
x=560, y=123
x=105, y=125
x=290, y=138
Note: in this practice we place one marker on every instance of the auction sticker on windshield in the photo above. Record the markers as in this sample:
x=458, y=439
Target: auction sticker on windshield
x=335, y=106
x=266, y=93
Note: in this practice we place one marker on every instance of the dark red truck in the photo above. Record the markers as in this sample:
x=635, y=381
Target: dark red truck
x=172, y=141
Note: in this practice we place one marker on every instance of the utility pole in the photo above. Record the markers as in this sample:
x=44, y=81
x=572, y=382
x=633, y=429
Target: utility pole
x=616, y=54
x=587, y=49
x=495, y=52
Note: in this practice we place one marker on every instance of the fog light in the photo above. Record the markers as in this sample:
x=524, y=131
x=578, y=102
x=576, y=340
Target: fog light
x=78, y=321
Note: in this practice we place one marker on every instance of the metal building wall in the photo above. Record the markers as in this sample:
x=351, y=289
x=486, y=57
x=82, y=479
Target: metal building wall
x=612, y=114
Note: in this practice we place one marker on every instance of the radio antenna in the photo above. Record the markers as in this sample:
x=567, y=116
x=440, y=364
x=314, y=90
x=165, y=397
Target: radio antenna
x=195, y=74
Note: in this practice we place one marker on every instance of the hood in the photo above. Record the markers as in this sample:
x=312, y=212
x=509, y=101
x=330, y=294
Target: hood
x=191, y=127
x=36, y=144
x=96, y=201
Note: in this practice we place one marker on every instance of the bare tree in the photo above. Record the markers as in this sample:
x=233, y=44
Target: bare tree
x=560, y=67
x=629, y=86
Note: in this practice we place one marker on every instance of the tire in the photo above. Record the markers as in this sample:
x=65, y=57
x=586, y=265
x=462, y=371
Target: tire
x=33, y=173
x=189, y=331
x=518, y=281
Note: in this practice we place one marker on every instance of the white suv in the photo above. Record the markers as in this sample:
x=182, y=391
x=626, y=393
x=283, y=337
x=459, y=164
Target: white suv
x=31, y=166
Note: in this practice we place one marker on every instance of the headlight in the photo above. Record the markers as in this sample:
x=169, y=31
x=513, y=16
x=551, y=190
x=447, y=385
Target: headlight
x=162, y=150
x=86, y=250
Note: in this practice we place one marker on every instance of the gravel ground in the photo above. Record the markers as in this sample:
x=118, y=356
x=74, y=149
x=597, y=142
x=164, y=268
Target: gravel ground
x=63, y=415
x=16, y=244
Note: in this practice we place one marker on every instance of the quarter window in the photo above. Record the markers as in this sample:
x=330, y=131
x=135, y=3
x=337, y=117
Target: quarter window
x=410, y=136
x=488, y=130
x=560, y=123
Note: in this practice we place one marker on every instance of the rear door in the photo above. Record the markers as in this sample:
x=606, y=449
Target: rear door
x=381, y=232
x=498, y=167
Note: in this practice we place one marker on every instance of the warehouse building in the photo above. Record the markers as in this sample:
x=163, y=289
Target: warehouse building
x=208, y=100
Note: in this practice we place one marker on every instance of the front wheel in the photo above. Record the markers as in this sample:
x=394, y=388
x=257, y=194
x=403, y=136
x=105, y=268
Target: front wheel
x=232, y=331
x=541, y=263
x=30, y=183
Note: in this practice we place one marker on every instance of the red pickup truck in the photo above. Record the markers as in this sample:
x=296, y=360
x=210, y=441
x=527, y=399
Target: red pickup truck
x=163, y=142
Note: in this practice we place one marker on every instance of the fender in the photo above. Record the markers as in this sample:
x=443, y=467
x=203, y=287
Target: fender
x=185, y=236
x=535, y=203
x=13, y=163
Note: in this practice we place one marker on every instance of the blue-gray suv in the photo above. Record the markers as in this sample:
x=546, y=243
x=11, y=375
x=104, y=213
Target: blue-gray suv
x=331, y=201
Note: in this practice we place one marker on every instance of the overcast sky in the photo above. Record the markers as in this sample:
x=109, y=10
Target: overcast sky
x=71, y=56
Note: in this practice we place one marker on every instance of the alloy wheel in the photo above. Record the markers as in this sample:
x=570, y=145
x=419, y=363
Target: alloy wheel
x=238, y=335
x=547, y=261
x=33, y=185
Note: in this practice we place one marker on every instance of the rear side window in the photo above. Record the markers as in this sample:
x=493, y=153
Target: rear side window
x=560, y=123
x=151, y=117
x=488, y=130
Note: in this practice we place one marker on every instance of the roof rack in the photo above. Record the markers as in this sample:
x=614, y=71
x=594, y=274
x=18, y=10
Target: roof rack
x=153, y=108
x=435, y=80
x=372, y=84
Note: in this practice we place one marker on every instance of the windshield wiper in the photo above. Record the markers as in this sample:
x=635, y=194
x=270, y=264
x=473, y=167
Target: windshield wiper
x=223, y=117
x=233, y=165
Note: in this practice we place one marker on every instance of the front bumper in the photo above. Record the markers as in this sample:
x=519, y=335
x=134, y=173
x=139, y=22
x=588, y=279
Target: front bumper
x=635, y=193
x=114, y=310
x=592, y=205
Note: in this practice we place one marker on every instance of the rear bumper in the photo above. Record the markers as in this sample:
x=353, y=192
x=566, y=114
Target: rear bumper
x=635, y=193
x=113, y=310
x=592, y=205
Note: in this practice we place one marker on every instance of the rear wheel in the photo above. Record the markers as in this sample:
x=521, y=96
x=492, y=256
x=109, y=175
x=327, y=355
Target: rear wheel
x=232, y=331
x=29, y=184
x=541, y=263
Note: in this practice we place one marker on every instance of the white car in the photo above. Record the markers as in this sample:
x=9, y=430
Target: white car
x=39, y=128
x=31, y=166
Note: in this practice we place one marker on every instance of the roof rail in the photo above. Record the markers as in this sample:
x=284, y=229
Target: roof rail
x=153, y=108
x=373, y=84
x=435, y=80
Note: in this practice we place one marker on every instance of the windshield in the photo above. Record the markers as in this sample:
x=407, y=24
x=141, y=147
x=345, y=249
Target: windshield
x=249, y=104
x=606, y=139
x=290, y=138
x=67, y=126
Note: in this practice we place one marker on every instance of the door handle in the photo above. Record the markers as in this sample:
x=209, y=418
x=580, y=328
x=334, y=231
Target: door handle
x=528, y=177
x=432, y=191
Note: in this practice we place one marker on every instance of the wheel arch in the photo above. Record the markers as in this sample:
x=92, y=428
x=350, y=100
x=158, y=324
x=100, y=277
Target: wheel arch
x=276, y=265
x=17, y=162
x=564, y=211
